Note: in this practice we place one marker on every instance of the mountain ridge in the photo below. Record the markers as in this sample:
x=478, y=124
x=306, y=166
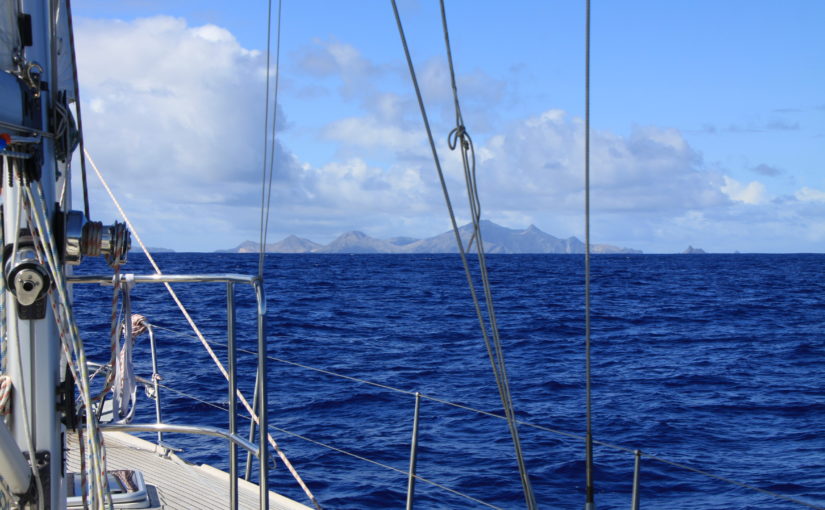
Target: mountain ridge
x=497, y=239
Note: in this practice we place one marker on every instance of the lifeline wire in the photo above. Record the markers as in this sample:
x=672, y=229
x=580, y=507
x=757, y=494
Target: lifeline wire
x=588, y=444
x=536, y=426
x=335, y=449
x=497, y=362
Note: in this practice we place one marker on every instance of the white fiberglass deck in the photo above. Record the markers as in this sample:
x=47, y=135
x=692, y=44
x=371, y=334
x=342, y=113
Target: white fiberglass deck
x=172, y=482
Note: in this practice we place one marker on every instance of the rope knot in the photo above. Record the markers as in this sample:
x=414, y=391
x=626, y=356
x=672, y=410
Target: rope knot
x=139, y=324
x=458, y=133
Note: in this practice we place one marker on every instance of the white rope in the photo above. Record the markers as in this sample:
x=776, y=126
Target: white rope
x=5, y=394
x=100, y=494
x=4, y=170
x=124, y=387
x=114, y=337
x=200, y=336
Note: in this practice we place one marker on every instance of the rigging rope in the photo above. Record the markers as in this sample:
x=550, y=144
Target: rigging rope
x=266, y=190
x=5, y=380
x=3, y=343
x=588, y=445
x=114, y=336
x=124, y=386
x=200, y=336
x=100, y=494
x=5, y=394
x=494, y=349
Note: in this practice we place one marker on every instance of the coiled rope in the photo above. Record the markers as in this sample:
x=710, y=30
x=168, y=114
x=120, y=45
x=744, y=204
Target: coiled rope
x=459, y=137
x=124, y=386
x=5, y=394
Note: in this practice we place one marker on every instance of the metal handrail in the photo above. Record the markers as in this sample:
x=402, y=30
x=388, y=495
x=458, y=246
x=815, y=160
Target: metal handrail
x=184, y=429
x=255, y=281
x=260, y=451
x=169, y=278
x=413, y=452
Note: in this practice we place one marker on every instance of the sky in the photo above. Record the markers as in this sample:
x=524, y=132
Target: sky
x=707, y=119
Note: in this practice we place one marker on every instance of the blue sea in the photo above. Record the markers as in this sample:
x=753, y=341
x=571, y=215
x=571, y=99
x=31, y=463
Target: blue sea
x=712, y=361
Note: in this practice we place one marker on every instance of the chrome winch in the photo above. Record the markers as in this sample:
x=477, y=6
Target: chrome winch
x=91, y=239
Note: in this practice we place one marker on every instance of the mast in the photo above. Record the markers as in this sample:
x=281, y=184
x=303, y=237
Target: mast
x=42, y=236
x=33, y=346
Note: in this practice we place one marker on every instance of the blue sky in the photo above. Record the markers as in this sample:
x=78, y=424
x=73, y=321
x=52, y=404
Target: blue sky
x=708, y=119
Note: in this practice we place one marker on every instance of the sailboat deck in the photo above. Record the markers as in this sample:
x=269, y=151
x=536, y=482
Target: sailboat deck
x=172, y=482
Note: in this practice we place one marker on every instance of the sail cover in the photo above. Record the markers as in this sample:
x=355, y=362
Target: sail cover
x=9, y=35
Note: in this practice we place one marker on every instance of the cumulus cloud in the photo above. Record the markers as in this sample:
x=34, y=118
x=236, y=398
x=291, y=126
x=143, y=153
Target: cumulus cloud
x=810, y=195
x=653, y=169
x=174, y=116
x=750, y=193
x=333, y=58
x=371, y=133
x=168, y=102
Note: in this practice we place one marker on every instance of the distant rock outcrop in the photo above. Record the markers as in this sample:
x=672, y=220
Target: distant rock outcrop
x=358, y=242
x=690, y=250
x=497, y=239
x=290, y=244
x=244, y=247
x=293, y=244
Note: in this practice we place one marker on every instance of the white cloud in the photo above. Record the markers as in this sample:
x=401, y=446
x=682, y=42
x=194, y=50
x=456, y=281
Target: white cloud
x=750, y=193
x=170, y=102
x=810, y=195
x=369, y=132
x=332, y=58
x=538, y=164
x=174, y=117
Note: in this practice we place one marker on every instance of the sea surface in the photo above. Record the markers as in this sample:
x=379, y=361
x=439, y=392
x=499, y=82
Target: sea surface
x=716, y=362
